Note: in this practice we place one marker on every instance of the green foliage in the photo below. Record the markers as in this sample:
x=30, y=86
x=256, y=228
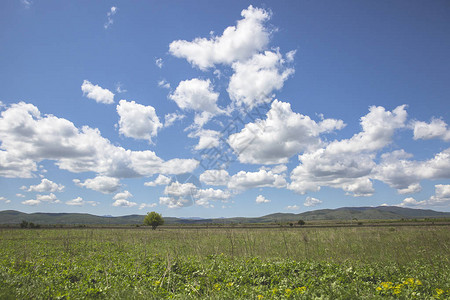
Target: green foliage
x=301, y=222
x=134, y=263
x=153, y=219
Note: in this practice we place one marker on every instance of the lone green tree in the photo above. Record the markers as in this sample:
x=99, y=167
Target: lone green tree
x=153, y=219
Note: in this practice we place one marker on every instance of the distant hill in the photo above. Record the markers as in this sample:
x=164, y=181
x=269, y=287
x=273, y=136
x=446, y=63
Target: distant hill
x=344, y=213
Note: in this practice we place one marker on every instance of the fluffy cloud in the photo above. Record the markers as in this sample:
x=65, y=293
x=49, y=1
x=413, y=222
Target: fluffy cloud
x=207, y=138
x=51, y=198
x=97, y=93
x=436, y=129
x=160, y=180
x=255, y=80
x=80, y=202
x=138, y=121
x=121, y=199
x=411, y=202
x=281, y=135
x=28, y=137
x=247, y=180
x=236, y=43
x=45, y=186
x=4, y=200
x=442, y=195
x=159, y=62
x=186, y=194
x=310, y=201
x=293, y=207
x=400, y=172
x=147, y=205
x=215, y=177
x=347, y=164
x=103, y=184
x=261, y=199
x=197, y=95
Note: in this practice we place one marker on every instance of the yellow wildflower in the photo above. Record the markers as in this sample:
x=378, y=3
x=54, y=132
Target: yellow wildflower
x=418, y=282
x=260, y=296
x=439, y=292
x=301, y=289
x=217, y=287
x=230, y=284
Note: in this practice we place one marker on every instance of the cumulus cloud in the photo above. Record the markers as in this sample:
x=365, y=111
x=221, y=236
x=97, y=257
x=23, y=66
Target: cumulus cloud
x=186, y=194
x=160, y=180
x=138, y=121
x=51, y=198
x=97, y=93
x=236, y=43
x=121, y=199
x=255, y=80
x=4, y=200
x=215, y=177
x=164, y=84
x=80, y=202
x=147, y=205
x=261, y=199
x=442, y=195
x=196, y=95
x=103, y=184
x=247, y=180
x=112, y=11
x=436, y=129
x=348, y=163
x=27, y=137
x=207, y=138
x=310, y=201
x=45, y=186
x=281, y=135
x=171, y=118
x=293, y=207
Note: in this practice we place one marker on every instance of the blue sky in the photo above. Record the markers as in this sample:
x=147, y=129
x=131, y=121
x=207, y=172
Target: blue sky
x=218, y=109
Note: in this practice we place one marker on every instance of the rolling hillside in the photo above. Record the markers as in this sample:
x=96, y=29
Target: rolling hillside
x=344, y=213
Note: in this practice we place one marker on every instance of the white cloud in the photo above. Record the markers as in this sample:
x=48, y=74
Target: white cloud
x=28, y=137
x=207, y=138
x=247, y=180
x=51, y=198
x=4, y=200
x=164, y=84
x=97, y=93
x=103, y=184
x=281, y=135
x=45, y=186
x=411, y=202
x=20, y=195
x=290, y=55
x=138, y=121
x=310, y=201
x=442, y=195
x=400, y=172
x=147, y=205
x=110, y=14
x=255, y=80
x=171, y=118
x=293, y=207
x=436, y=129
x=215, y=177
x=197, y=95
x=347, y=164
x=261, y=199
x=204, y=196
x=122, y=195
x=159, y=62
x=172, y=202
x=160, y=180
x=26, y=3
x=124, y=203
x=80, y=202
x=236, y=43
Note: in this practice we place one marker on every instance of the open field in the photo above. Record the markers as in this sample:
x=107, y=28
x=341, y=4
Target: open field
x=226, y=263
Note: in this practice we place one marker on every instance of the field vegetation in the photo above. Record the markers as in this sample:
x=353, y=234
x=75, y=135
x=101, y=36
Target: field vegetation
x=226, y=263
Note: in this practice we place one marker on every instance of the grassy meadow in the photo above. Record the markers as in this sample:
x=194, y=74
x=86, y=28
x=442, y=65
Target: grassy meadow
x=226, y=263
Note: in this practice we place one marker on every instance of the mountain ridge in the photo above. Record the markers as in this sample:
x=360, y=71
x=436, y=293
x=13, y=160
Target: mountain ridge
x=344, y=213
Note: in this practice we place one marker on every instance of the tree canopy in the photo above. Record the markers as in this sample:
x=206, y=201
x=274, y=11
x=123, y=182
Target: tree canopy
x=153, y=219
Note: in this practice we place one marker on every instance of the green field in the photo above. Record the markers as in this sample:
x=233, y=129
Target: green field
x=226, y=263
